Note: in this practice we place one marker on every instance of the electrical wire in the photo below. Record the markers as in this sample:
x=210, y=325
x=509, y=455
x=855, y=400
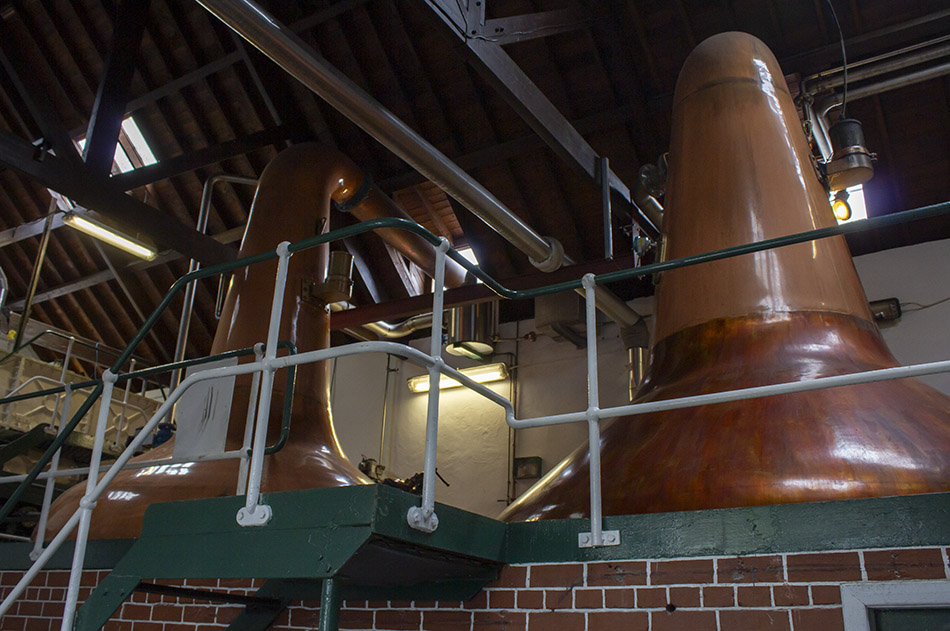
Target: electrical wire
x=844, y=60
x=920, y=307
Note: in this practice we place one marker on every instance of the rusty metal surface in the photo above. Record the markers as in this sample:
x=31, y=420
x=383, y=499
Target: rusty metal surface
x=739, y=172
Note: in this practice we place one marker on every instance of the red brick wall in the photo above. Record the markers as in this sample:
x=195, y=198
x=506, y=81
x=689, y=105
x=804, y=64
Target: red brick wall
x=785, y=592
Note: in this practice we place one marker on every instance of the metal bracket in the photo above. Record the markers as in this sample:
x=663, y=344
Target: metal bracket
x=261, y=514
x=418, y=519
x=610, y=538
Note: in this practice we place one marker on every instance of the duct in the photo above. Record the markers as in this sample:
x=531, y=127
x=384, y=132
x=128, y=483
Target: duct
x=787, y=315
x=292, y=54
x=382, y=329
x=402, y=329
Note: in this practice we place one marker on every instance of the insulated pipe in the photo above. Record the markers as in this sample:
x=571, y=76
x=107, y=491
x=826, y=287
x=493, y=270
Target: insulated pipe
x=291, y=53
x=402, y=329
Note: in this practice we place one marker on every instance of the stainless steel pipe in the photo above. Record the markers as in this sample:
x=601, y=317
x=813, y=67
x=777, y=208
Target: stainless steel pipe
x=287, y=50
x=291, y=53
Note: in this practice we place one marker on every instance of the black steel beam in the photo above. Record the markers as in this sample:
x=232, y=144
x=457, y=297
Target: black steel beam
x=102, y=134
x=76, y=182
x=186, y=162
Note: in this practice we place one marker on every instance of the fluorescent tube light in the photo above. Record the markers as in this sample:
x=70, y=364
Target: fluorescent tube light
x=478, y=374
x=104, y=233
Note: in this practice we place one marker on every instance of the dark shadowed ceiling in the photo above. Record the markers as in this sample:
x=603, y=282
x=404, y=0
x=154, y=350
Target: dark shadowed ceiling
x=208, y=103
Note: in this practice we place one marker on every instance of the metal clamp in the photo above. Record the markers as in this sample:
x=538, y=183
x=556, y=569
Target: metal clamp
x=259, y=516
x=419, y=520
x=609, y=538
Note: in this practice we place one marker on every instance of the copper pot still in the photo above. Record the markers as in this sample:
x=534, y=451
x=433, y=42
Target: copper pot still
x=292, y=203
x=741, y=171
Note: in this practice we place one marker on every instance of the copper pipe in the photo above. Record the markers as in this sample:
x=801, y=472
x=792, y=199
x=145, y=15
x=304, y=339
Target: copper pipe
x=741, y=171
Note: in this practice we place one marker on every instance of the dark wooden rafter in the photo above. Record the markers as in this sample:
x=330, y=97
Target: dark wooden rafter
x=105, y=122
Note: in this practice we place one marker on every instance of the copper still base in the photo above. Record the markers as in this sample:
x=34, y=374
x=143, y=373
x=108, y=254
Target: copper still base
x=867, y=440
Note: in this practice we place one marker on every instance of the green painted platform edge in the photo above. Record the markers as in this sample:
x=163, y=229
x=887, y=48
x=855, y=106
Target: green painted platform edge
x=888, y=522
x=102, y=554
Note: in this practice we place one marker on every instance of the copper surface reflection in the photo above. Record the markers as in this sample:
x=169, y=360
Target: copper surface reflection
x=741, y=171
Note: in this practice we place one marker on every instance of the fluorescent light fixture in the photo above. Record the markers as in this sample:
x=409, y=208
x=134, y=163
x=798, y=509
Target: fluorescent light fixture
x=104, y=233
x=478, y=374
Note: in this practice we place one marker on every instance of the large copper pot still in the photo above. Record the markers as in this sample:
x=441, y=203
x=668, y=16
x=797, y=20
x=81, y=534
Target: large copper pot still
x=292, y=202
x=741, y=171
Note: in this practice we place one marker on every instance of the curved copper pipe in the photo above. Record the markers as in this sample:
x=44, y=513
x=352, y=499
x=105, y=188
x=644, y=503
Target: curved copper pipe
x=291, y=203
x=741, y=171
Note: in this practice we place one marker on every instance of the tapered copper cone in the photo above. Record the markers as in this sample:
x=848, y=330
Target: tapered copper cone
x=292, y=203
x=741, y=171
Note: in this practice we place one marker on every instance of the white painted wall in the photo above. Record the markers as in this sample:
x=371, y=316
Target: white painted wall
x=920, y=274
x=550, y=377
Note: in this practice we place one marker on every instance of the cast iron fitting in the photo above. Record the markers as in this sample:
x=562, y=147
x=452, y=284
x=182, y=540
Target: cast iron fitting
x=555, y=256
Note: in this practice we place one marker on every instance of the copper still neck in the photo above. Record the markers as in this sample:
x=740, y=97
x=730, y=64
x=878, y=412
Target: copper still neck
x=292, y=203
x=741, y=171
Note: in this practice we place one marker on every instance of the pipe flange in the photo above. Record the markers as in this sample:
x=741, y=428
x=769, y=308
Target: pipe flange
x=555, y=258
x=358, y=197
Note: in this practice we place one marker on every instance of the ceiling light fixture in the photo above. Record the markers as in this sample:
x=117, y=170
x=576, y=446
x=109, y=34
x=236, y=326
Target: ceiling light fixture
x=110, y=235
x=478, y=374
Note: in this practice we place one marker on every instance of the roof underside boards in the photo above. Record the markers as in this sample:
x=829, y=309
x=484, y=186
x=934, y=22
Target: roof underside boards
x=196, y=87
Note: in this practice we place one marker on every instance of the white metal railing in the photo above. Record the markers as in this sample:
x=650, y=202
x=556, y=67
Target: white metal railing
x=423, y=517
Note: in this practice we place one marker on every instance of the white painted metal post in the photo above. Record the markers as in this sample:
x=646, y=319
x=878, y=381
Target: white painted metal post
x=50, y=483
x=596, y=537
x=125, y=403
x=62, y=380
x=249, y=423
x=424, y=518
x=88, y=502
x=254, y=514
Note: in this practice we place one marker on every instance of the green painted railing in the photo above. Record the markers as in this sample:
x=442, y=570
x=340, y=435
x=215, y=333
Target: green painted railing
x=491, y=283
